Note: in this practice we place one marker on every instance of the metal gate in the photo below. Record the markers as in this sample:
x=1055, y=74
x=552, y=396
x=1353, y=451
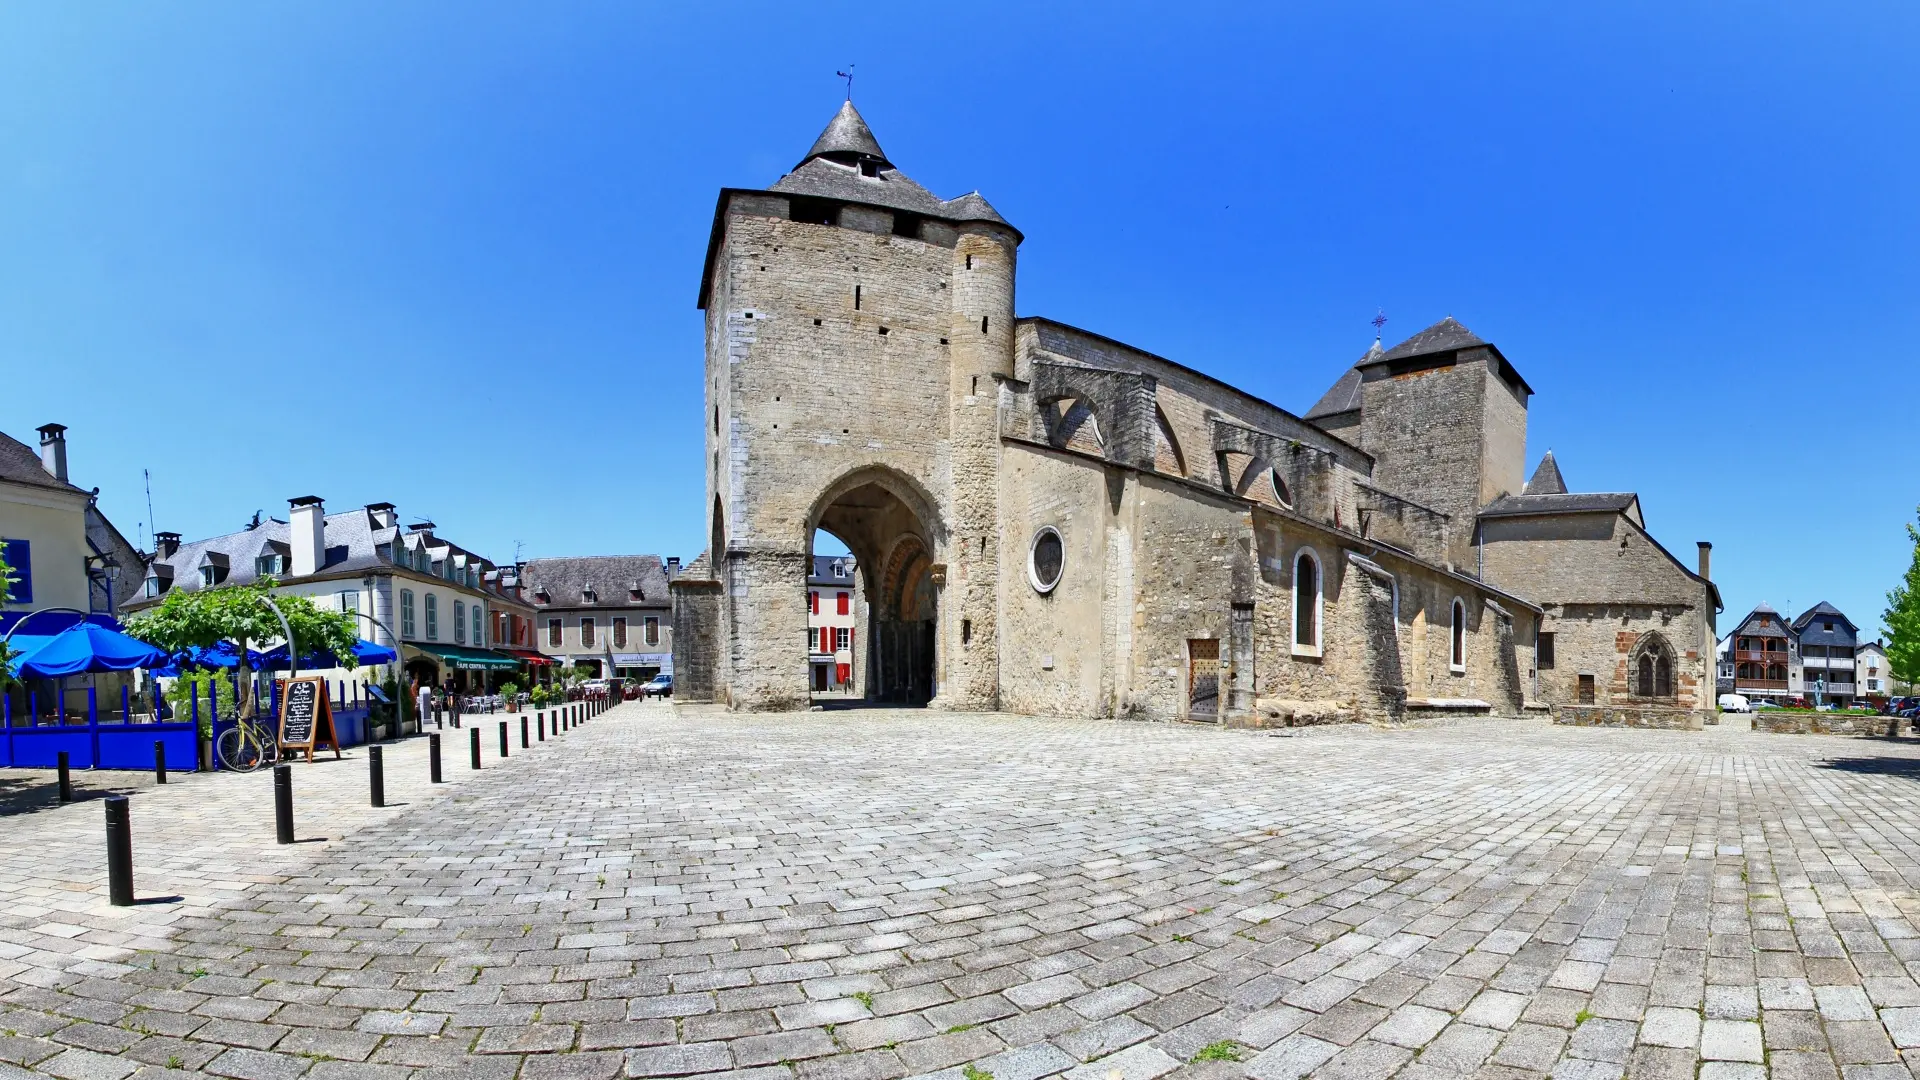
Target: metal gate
x=1203, y=678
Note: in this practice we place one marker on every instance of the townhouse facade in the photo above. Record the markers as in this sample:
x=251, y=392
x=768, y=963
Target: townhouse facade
x=611, y=615
x=63, y=551
x=833, y=616
x=452, y=614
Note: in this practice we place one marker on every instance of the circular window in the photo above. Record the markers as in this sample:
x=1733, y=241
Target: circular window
x=1045, y=559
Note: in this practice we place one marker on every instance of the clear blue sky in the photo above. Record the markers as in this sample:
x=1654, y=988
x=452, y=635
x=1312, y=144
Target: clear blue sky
x=446, y=254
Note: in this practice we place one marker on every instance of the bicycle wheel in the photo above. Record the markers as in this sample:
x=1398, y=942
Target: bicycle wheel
x=239, y=750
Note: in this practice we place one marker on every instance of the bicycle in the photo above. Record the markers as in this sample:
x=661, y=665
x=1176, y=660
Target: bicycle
x=246, y=746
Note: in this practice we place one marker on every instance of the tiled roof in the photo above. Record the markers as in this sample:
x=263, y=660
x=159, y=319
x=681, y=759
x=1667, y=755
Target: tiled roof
x=1586, y=503
x=831, y=170
x=823, y=566
x=565, y=581
x=351, y=544
x=1547, y=479
x=20, y=463
x=1443, y=336
x=1344, y=396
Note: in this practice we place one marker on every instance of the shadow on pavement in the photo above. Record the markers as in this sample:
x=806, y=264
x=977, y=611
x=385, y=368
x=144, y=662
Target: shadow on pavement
x=1885, y=766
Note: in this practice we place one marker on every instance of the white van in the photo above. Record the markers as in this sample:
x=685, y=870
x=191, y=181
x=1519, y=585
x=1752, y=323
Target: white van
x=1735, y=703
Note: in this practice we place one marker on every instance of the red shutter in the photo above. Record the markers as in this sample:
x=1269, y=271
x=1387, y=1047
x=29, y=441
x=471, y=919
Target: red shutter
x=813, y=601
x=843, y=603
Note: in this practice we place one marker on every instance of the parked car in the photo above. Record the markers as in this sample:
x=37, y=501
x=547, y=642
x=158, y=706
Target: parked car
x=594, y=686
x=1758, y=705
x=1735, y=703
x=1895, y=706
x=659, y=686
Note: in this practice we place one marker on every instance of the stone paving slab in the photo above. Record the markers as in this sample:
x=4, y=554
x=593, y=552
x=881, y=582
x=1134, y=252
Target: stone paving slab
x=891, y=893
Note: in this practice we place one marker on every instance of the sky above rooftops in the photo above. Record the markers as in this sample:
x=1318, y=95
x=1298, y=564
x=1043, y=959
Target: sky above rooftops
x=402, y=252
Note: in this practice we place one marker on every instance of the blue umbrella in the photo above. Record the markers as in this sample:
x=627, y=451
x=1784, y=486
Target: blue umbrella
x=364, y=653
x=86, y=647
x=222, y=655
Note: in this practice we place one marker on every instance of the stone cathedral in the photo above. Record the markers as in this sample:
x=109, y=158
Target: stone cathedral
x=1049, y=521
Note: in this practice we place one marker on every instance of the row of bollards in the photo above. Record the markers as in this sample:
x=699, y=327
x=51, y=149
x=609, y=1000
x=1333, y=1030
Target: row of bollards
x=120, y=819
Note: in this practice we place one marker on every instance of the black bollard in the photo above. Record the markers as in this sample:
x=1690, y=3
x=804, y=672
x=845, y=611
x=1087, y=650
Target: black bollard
x=540, y=725
x=476, y=747
x=433, y=758
x=283, y=802
x=119, y=851
x=65, y=793
x=159, y=761
x=525, y=742
x=503, y=738
x=377, y=776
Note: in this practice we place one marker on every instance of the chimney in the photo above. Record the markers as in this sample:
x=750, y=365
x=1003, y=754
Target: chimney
x=166, y=543
x=53, y=450
x=1706, y=560
x=673, y=567
x=383, y=515
x=309, y=539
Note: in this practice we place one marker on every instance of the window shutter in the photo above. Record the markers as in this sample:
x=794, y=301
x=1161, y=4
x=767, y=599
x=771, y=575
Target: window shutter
x=20, y=558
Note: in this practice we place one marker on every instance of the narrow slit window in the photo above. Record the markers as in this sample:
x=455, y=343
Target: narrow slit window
x=856, y=298
x=983, y=323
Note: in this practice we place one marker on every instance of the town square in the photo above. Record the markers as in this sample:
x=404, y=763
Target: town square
x=631, y=541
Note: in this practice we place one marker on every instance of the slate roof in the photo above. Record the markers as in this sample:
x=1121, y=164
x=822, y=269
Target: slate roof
x=351, y=544
x=846, y=133
x=1820, y=609
x=1585, y=503
x=1776, y=628
x=611, y=577
x=20, y=463
x=1344, y=396
x=1443, y=336
x=823, y=571
x=1546, y=479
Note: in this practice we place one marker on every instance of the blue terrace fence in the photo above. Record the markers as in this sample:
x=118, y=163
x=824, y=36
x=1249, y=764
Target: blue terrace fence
x=119, y=737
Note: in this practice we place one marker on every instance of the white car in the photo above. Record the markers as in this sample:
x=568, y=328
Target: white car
x=1735, y=703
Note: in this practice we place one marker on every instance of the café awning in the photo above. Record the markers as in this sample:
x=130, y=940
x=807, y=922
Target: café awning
x=466, y=659
x=531, y=657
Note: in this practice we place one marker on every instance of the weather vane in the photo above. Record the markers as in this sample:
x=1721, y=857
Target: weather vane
x=1379, y=320
x=847, y=75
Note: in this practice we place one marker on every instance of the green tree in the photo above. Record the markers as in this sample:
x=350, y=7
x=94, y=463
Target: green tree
x=1903, y=618
x=240, y=614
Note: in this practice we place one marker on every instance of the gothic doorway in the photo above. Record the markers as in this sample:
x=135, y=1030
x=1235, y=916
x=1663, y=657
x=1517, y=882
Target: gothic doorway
x=883, y=519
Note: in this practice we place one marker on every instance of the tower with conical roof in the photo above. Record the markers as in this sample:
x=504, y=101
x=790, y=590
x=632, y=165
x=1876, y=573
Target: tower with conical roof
x=858, y=332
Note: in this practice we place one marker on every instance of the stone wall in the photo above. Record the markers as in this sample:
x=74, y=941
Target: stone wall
x=1604, y=584
x=1784, y=722
x=1637, y=716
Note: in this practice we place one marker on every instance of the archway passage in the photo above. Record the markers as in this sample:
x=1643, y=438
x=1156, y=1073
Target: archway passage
x=879, y=522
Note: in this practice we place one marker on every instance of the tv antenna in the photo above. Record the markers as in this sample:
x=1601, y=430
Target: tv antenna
x=148, y=477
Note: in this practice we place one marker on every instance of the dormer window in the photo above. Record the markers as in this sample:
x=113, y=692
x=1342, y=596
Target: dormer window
x=588, y=595
x=267, y=565
x=209, y=576
x=154, y=588
x=870, y=169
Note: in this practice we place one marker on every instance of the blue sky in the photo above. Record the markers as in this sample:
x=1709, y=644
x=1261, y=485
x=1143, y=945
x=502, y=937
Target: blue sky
x=447, y=254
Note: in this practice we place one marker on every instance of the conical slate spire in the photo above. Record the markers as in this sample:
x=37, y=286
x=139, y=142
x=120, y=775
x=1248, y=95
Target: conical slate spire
x=847, y=134
x=1547, y=479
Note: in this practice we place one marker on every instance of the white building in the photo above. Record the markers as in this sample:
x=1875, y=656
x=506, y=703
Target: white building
x=833, y=613
x=440, y=605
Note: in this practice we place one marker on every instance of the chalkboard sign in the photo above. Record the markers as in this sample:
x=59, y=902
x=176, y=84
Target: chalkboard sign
x=306, y=716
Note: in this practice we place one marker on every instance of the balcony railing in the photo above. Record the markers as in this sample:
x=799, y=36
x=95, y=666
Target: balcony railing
x=1759, y=684
x=1754, y=656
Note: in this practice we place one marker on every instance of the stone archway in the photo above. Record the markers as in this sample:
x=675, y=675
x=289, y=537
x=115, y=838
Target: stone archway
x=888, y=525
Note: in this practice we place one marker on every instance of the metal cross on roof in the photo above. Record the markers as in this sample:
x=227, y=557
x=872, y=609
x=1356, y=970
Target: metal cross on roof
x=1379, y=320
x=847, y=75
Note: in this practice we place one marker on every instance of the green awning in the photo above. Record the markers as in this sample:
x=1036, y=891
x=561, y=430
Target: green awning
x=465, y=659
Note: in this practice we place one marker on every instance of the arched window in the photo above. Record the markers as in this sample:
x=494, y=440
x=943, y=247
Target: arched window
x=1458, y=660
x=1650, y=667
x=1307, y=597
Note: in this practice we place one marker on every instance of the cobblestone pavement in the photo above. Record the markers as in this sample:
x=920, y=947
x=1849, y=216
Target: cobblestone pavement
x=884, y=894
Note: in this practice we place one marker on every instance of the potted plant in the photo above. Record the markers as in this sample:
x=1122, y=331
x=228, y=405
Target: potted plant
x=510, y=693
